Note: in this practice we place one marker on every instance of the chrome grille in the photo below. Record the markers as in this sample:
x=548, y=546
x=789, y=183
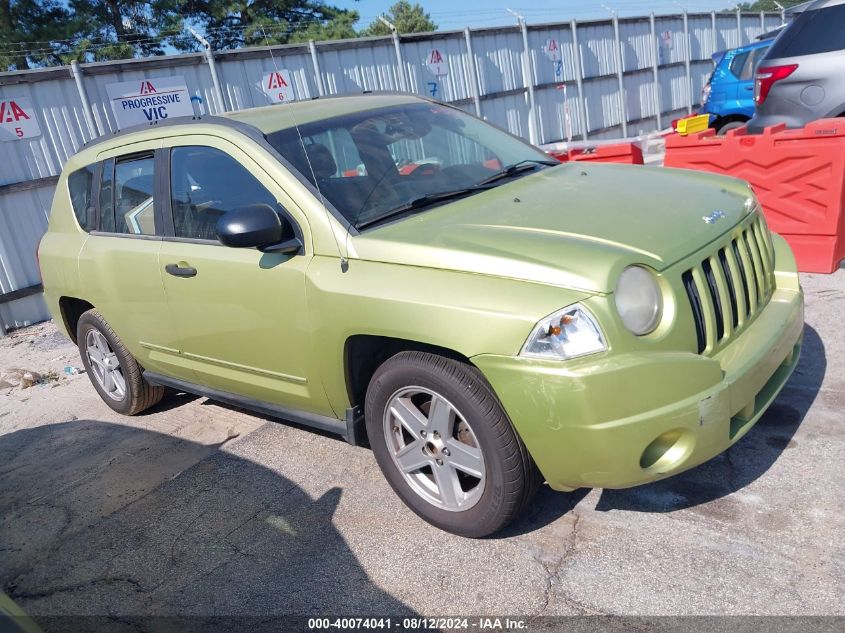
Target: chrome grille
x=729, y=287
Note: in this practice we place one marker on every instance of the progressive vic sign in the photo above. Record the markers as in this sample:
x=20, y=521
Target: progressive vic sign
x=149, y=100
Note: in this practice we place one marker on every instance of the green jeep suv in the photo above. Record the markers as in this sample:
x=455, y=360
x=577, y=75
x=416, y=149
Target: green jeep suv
x=399, y=272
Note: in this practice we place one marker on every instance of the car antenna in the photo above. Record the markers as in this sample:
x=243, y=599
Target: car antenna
x=344, y=260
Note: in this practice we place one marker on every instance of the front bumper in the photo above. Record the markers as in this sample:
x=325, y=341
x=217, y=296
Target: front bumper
x=621, y=420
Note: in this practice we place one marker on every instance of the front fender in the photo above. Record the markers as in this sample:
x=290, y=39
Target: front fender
x=470, y=314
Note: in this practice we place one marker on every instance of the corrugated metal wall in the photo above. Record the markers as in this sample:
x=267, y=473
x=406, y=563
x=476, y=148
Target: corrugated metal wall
x=674, y=51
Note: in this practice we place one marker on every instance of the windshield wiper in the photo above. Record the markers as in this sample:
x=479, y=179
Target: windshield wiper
x=422, y=201
x=512, y=170
x=431, y=198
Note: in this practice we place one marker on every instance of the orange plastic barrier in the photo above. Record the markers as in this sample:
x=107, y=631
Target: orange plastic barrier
x=798, y=176
x=627, y=153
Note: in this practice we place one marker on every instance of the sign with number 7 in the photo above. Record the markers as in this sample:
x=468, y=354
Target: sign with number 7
x=18, y=120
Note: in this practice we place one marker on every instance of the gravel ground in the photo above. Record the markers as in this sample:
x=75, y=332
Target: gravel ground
x=200, y=509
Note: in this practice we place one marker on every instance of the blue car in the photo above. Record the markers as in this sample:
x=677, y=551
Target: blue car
x=728, y=95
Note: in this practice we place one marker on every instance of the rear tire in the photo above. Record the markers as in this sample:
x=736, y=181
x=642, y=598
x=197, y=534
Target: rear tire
x=113, y=371
x=446, y=446
x=732, y=125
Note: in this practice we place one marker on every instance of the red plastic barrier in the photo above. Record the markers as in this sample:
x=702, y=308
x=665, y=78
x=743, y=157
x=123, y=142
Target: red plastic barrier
x=798, y=176
x=627, y=153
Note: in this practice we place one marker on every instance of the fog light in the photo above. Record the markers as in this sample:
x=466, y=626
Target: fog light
x=667, y=451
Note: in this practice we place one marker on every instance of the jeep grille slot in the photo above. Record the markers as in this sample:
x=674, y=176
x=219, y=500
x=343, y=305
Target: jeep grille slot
x=697, y=311
x=728, y=288
x=726, y=271
x=714, y=297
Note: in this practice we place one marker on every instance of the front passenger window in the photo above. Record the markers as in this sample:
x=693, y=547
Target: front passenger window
x=205, y=184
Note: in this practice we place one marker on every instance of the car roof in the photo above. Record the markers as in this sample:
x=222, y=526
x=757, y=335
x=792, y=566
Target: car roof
x=280, y=116
x=813, y=4
x=718, y=57
x=252, y=122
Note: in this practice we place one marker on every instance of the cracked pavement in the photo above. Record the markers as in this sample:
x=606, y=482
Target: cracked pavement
x=200, y=509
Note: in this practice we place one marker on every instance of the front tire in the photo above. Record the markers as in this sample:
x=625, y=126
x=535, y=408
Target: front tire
x=113, y=371
x=446, y=446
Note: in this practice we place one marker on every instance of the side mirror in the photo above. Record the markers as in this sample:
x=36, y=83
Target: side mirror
x=255, y=226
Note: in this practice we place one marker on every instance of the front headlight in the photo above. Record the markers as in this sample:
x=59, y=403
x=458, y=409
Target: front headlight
x=638, y=300
x=567, y=333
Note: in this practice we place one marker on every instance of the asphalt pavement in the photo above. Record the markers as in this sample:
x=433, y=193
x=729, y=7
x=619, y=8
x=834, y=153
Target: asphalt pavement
x=200, y=509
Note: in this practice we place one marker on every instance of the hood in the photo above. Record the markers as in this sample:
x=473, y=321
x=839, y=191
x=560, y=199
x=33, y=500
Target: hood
x=575, y=225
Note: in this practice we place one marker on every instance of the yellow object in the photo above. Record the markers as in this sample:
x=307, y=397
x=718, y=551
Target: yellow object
x=693, y=124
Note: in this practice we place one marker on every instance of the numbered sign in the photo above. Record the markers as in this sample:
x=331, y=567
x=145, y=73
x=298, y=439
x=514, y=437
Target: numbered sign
x=17, y=120
x=149, y=100
x=436, y=63
x=552, y=50
x=277, y=85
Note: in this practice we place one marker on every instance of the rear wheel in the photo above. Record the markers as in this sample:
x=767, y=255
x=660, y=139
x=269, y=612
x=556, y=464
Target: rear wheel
x=732, y=125
x=446, y=446
x=113, y=371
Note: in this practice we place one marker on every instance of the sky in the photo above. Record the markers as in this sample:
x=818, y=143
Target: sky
x=456, y=14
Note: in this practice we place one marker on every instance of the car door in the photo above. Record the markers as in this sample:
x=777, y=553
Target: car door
x=745, y=86
x=241, y=314
x=733, y=85
x=119, y=261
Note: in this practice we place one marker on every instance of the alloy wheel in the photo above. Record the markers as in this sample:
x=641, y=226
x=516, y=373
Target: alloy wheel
x=105, y=367
x=434, y=448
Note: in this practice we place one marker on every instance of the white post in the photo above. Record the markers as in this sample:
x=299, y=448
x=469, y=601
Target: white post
x=318, y=76
x=403, y=84
x=687, y=55
x=739, y=24
x=528, y=80
x=655, y=70
x=474, y=88
x=715, y=36
x=209, y=56
x=620, y=75
x=579, y=77
x=76, y=71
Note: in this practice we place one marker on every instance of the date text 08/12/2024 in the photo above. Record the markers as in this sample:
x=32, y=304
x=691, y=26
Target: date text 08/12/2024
x=418, y=624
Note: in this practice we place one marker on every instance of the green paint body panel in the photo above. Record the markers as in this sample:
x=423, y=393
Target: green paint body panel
x=472, y=276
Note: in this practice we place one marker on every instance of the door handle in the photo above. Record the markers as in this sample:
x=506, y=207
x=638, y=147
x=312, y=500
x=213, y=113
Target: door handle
x=180, y=271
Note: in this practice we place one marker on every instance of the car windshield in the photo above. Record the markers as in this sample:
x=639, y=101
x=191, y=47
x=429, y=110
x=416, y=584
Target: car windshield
x=384, y=162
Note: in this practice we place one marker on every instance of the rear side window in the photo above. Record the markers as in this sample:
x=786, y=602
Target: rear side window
x=753, y=61
x=737, y=64
x=127, y=202
x=134, y=211
x=107, y=197
x=819, y=31
x=80, y=184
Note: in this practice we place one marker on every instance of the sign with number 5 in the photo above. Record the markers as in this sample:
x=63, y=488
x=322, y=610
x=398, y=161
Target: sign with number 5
x=17, y=120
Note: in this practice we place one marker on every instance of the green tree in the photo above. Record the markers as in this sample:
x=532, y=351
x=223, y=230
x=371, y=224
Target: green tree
x=339, y=27
x=119, y=29
x=406, y=17
x=234, y=23
x=27, y=27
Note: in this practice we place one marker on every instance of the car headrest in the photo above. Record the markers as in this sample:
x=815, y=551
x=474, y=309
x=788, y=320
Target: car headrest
x=322, y=161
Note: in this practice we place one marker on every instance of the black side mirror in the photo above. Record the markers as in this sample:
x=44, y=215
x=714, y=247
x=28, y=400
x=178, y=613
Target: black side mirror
x=255, y=226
